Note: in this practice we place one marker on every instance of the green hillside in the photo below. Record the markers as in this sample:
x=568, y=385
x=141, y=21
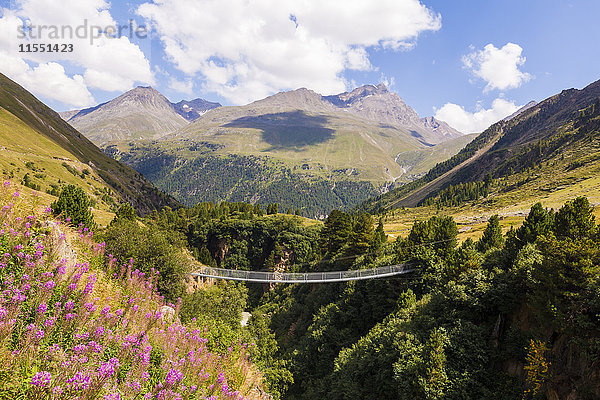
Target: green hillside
x=36, y=142
x=548, y=146
x=292, y=148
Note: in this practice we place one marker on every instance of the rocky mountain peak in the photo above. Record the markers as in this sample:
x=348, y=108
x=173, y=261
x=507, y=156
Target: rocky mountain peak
x=299, y=99
x=194, y=109
x=346, y=99
x=379, y=104
x=526, y=107
x=146, y=95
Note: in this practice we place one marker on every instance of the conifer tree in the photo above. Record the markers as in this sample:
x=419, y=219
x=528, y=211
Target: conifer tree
x=380, y=235
x=575, y=220
x=537, y=223
x=125, y=212
x=362, y=234
x=492, y=235
x=336, y=231
x=74, y=204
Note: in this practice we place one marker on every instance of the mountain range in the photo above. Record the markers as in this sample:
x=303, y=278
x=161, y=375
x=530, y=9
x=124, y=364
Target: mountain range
x=144, y=113
x=338, y=149
x=141, y=113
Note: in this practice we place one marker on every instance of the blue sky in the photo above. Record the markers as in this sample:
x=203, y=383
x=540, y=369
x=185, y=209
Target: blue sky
x=469, y=63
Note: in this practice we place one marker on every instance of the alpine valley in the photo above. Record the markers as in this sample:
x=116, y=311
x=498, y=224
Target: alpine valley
x=305, y=151
x=299, y=244
x=501, y=288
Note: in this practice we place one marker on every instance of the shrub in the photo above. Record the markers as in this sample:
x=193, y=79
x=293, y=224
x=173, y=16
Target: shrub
x=74, y=205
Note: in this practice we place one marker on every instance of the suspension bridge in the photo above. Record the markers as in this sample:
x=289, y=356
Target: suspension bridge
x=302, y=277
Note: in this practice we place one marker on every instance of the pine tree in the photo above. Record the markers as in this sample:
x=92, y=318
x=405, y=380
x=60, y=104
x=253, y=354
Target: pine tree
x=380, y=235
x=575, y=219
x=362, y=234
x=444, y=232
x=538, y=223
x=336, y=231
x=272, y=209
x=74, y=204
x=125, y=212
x=492, y=235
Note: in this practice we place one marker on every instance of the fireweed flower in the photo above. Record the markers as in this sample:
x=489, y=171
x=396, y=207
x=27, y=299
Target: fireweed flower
x=80, y=381
x=135, y=385
x=80, y=348
x=107, y=369
x=174, y=376
x=41, y=379
x=90, y=307
x=90, y=284
x=96, y=348
x=83, y=335
x=168, y=394
x=42, y=308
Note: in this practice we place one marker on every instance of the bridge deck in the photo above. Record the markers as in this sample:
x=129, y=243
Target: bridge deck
x=304, y=277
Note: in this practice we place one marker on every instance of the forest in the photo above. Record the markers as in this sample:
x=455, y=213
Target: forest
x=511, y=315
x=245, y=178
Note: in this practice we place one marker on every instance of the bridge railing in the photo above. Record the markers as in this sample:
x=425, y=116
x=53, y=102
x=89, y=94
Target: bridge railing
x=301, y=277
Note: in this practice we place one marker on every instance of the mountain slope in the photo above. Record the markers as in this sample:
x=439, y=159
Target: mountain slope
x=33, y=133
x=193, y=109
x=377, y=103
x=526, y=107
x=559, y=134
x=141, y=113
x=336, y=150
x=293, y=148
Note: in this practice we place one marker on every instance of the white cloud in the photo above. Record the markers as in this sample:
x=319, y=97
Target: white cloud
x=111, y=64
x=185, y=87
x=245, y=50
x=471, y=122
x=498, y=67
x=48, y=80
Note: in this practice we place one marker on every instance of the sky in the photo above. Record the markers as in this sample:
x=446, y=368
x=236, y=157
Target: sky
x=469, y=63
